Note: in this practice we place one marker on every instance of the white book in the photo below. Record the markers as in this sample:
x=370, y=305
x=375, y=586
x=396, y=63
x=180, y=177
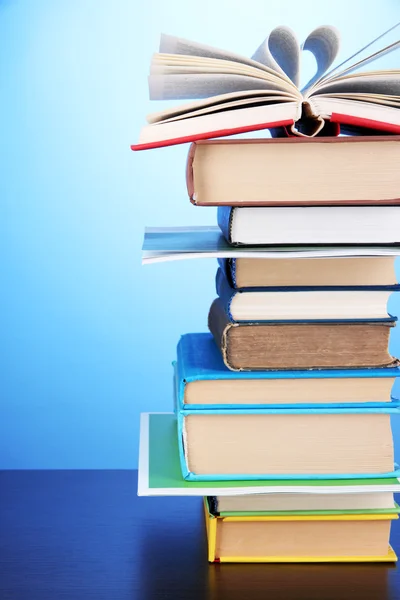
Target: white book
x=310, y=225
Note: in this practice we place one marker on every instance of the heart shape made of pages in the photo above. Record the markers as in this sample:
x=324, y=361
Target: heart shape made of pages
x=281, y=51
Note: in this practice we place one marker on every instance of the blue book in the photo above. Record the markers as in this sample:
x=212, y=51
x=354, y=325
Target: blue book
x=257, y=444
x=202, y=381
x=264, y=304
x=285, y=274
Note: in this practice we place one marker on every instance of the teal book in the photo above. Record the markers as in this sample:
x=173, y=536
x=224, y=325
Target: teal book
x=295, y=443
x=203, y=381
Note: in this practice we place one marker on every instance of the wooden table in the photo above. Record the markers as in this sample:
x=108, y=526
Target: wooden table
x=71, y=535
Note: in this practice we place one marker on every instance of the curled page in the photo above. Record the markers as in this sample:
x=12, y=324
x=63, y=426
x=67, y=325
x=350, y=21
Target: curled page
x=280, y=51
x=170, y=44
x=166, y=64
x=323, y=42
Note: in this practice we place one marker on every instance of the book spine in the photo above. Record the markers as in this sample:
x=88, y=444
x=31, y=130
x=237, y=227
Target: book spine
x=177, y=396
x=329, y=129
x=212, y=502
x=179, y=369
x=224, y=219
x=281, y=132
x=228, y=266
x=219, y=325
x=182, y=446
x=189, y=173
x=225, y=292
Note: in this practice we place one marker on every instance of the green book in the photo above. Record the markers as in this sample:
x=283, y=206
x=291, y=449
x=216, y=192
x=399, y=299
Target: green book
x=160, y=472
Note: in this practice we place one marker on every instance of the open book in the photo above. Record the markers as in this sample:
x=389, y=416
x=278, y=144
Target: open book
x=235, y=94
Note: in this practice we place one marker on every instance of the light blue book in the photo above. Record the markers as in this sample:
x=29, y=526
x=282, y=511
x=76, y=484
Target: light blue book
x=258, y=438
x=200, y=368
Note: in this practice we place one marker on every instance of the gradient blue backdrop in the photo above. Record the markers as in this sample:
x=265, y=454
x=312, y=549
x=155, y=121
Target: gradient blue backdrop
x=87, y=334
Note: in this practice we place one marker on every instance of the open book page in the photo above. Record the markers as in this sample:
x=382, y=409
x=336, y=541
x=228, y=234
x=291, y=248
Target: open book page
x=197, y=77
x=191, y=62
x=371, y=58
x=280, y=51
x=323, y=43
x=371, y=98
x=161, y=65
x=349, y=70
x=173, y=45
x=219, y=102
x=224, y=106
x=359, y=53
x=368, y=83
x=187, y=70
x=186, y=87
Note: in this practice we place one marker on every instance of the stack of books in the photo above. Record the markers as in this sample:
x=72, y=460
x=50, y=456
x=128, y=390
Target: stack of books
x=285, y=407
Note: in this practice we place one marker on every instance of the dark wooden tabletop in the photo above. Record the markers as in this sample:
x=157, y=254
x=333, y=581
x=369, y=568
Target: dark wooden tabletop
x=67, y=535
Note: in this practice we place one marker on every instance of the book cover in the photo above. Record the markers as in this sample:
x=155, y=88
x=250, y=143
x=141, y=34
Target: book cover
x=214, y=523
x=199, y=359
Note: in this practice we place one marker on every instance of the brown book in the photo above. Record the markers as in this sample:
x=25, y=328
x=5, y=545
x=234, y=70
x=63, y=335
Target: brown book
x=295, y=171
x=300, y=345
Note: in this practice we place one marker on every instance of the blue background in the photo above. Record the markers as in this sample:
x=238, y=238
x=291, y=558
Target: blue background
x=87, y=333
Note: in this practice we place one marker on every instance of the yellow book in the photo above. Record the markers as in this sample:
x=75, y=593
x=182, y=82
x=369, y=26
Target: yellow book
x=311, y=538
